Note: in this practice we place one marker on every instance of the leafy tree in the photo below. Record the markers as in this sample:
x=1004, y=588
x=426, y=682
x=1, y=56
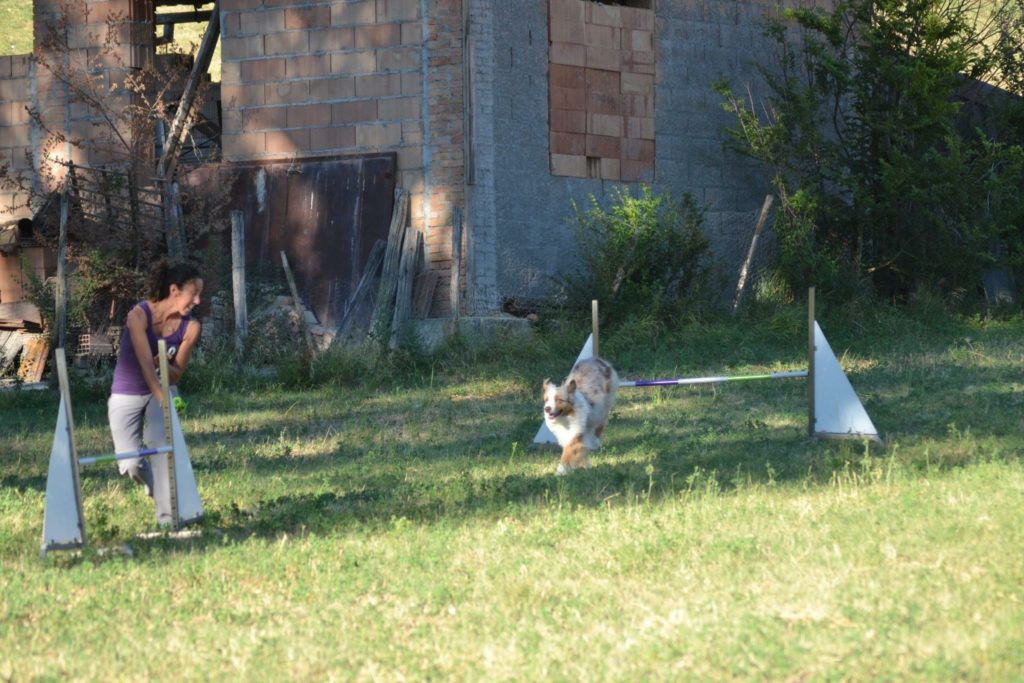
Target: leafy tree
x=882, y=186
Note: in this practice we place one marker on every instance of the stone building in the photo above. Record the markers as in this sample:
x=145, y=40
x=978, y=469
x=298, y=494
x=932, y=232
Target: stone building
x=508, y=110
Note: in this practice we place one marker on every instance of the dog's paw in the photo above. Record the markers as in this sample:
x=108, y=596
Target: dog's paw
x=561, y=470
x=592, y=442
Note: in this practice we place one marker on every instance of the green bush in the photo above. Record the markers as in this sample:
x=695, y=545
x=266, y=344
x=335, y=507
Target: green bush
x=645, y=256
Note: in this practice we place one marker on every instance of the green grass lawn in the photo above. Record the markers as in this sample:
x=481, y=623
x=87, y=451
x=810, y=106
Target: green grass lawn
x=391, y=522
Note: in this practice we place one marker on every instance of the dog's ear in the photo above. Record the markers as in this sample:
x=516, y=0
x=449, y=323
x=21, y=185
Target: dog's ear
x=547, y=383
x=571, y=387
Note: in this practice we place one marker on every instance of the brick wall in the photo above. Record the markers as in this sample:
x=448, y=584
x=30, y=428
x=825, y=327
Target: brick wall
x=601, y=89
x=15, y=138
x=305, y=79
x=109, y=59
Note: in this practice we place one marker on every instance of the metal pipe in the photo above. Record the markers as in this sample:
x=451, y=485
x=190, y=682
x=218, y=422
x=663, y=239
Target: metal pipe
x=141, y=453
x=709, y=380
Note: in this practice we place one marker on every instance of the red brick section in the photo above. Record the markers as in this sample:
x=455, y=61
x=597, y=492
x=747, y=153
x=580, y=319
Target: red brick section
x=601, y=90
x=15, y=141
x=446, y=175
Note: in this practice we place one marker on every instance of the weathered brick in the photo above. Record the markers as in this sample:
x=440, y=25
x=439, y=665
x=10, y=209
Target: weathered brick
x=638, y=41
x=318, y=16
x=412, y=33
x=287, y=141
x=20, y=65
x=603, y=146
x=632, y=171
x=604, y=15
x=412, y=132
x=262, y=70
x=353, y=112
x=5, y=66
x=640, y=128
x=566, y=31
x=307, y=66
x=602, y=81
x=609, y=169
x=287, y=43
x=327, y=89
x=397, y=10
x=605, y=125
x=574, y=10
x=568, y=121
x=331, y=39
x=399, y=58
x=286, y=92
x=264, y=118
x=353, y=13
x=603, y=103
x=378, y=85
x=241, y=48
x=363, y=62
x=261, y=23
x=412, y=84
x=238, y=95
x=609, y=59
x=638, y=105
x=573, y=166
x=309, y=115
x=384, y=35
x=568, y=143
x=568, y=98
x=334, y=137
x=563, y=76
x=410, y=157
x=602, y=36
x=241, y=146
x=640, y=84
x=638, y=150
x=637, y=18
x=568, y=53
x=378, y=135
x=399, y=108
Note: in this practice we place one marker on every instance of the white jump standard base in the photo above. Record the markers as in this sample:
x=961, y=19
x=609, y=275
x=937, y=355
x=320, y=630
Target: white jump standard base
x=174, y=480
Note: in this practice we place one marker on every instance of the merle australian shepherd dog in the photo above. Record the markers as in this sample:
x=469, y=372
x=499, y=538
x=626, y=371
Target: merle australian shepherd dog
x=577, y=411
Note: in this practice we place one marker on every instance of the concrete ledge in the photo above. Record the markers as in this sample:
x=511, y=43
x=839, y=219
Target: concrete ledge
x=477, y=331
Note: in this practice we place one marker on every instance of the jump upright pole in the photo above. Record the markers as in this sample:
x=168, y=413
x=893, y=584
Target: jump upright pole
x=165, y=386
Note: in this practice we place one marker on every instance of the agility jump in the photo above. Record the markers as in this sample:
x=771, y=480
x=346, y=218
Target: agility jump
x=173, y=480
x=834, y=410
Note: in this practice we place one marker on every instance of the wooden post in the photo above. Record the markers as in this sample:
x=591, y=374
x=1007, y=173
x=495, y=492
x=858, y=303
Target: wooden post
x=594, y=326
x=362, y=291
x=165, y=386
x=300, y=310
x=238, y=279
x=62, y=284
x=810, y=362
x=379, y=323
x=454, y=293
x=741, y=283
x=406, y=273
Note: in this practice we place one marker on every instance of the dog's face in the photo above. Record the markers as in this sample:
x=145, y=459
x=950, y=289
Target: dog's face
x=558, y=400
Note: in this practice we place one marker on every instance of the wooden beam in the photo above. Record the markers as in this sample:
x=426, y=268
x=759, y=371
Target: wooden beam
x=380, y=322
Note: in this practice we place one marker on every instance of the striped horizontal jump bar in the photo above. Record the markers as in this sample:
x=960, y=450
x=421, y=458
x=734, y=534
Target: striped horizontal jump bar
x=709, y=380
x=141, y=453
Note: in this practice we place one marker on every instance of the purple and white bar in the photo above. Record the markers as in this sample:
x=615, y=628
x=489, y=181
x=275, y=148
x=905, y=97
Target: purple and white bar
x=709, y=380
x=141, y=453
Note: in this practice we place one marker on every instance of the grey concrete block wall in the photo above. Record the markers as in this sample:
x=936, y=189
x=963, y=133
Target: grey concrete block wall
x=519, y=211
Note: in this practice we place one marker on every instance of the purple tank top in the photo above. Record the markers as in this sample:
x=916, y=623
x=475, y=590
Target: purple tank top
x=128, y=377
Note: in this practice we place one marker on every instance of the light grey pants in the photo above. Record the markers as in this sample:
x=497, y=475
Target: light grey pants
x=135, y=422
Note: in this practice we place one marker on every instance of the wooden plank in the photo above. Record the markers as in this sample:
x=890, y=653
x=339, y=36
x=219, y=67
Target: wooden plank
x=423, y=293
x=238, y=278
x=300, y=310
x=33, y=358
x=406, y=272
x=379, y=323
x=360, y=297
x=742, y=281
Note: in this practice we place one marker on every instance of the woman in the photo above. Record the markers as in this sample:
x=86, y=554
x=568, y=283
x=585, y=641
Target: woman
x=136, y=397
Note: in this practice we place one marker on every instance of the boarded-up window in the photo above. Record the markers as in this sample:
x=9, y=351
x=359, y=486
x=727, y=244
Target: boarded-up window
x=601, y=89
